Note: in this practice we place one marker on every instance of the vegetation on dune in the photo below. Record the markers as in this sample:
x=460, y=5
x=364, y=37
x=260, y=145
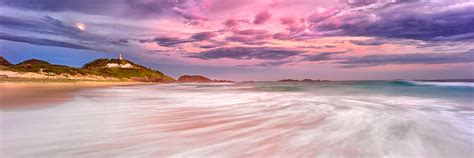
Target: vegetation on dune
x=96, y=67
x=99, y=63
x=34, y=62
x=132, y=73
x=40, y=66
x=4, y=62
x=137, y=72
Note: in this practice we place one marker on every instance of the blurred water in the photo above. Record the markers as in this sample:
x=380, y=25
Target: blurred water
x=329, y=119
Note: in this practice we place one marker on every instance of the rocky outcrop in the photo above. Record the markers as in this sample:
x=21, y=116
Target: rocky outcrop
x=288, y=80
x=194, y=78
x=199, y=79
x=221, y=81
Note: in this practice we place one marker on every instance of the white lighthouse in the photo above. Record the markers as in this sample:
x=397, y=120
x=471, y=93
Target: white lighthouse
x=119, y=64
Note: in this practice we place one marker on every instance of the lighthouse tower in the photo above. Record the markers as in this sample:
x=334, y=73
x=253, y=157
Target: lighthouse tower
x=120, y=56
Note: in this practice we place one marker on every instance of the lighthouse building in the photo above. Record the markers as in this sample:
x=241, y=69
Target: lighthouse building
x=120, y=64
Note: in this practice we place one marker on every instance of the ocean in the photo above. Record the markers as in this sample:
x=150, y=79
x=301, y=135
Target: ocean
x=398, y=119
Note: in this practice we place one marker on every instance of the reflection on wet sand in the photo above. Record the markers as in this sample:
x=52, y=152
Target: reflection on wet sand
x=16, y=95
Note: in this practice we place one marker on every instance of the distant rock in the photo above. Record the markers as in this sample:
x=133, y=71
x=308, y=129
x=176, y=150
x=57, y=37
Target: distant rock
x=288, y=80
x=221, y=81
x=194, y=78
x=4, y=62
x=310, y=80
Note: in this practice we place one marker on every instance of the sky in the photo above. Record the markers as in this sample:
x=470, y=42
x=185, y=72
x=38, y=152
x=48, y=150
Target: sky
x=250, y=39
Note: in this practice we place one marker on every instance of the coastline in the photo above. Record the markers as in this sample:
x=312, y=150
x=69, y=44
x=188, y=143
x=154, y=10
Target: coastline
x=38, y=93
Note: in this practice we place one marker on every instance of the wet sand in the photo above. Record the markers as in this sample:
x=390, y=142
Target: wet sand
x=37, y=94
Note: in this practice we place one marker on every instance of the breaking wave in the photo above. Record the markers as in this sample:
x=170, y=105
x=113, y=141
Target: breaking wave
x=443, y=84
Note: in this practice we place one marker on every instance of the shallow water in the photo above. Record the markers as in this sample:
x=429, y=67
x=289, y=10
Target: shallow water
x=328, y=119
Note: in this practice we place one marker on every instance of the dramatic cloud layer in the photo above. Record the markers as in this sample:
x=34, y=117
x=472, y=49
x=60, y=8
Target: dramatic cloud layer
x=45, y=25
x=169, y=41
x=421, y=20
x=50, y=26
x=130, y=8
x=322, y=56
x=42, y=42
x=415, y=58
x=300, y=36
x=243, y=53
x=371, y=42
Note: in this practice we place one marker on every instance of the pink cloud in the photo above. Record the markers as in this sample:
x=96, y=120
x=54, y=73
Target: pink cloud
x=239, y=38
x=262, y=17
x=217, y=6
x=322, y=15
x=191, y=16
x=263, y=36
x=281, y=36
x=230, y=23
x=252, y=32
x=293, y=25
x=249, y=35
x=233, y=23
x=203, y=36
x=288, y=21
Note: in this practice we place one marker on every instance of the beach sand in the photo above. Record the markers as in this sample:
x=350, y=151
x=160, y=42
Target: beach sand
x=36, y=94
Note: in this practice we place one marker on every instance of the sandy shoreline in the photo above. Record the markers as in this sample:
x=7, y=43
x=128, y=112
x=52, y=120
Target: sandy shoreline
x=69, y=84
x=37, y=94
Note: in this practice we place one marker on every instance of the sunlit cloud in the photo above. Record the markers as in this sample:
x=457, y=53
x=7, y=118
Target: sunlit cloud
x=81, y=26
